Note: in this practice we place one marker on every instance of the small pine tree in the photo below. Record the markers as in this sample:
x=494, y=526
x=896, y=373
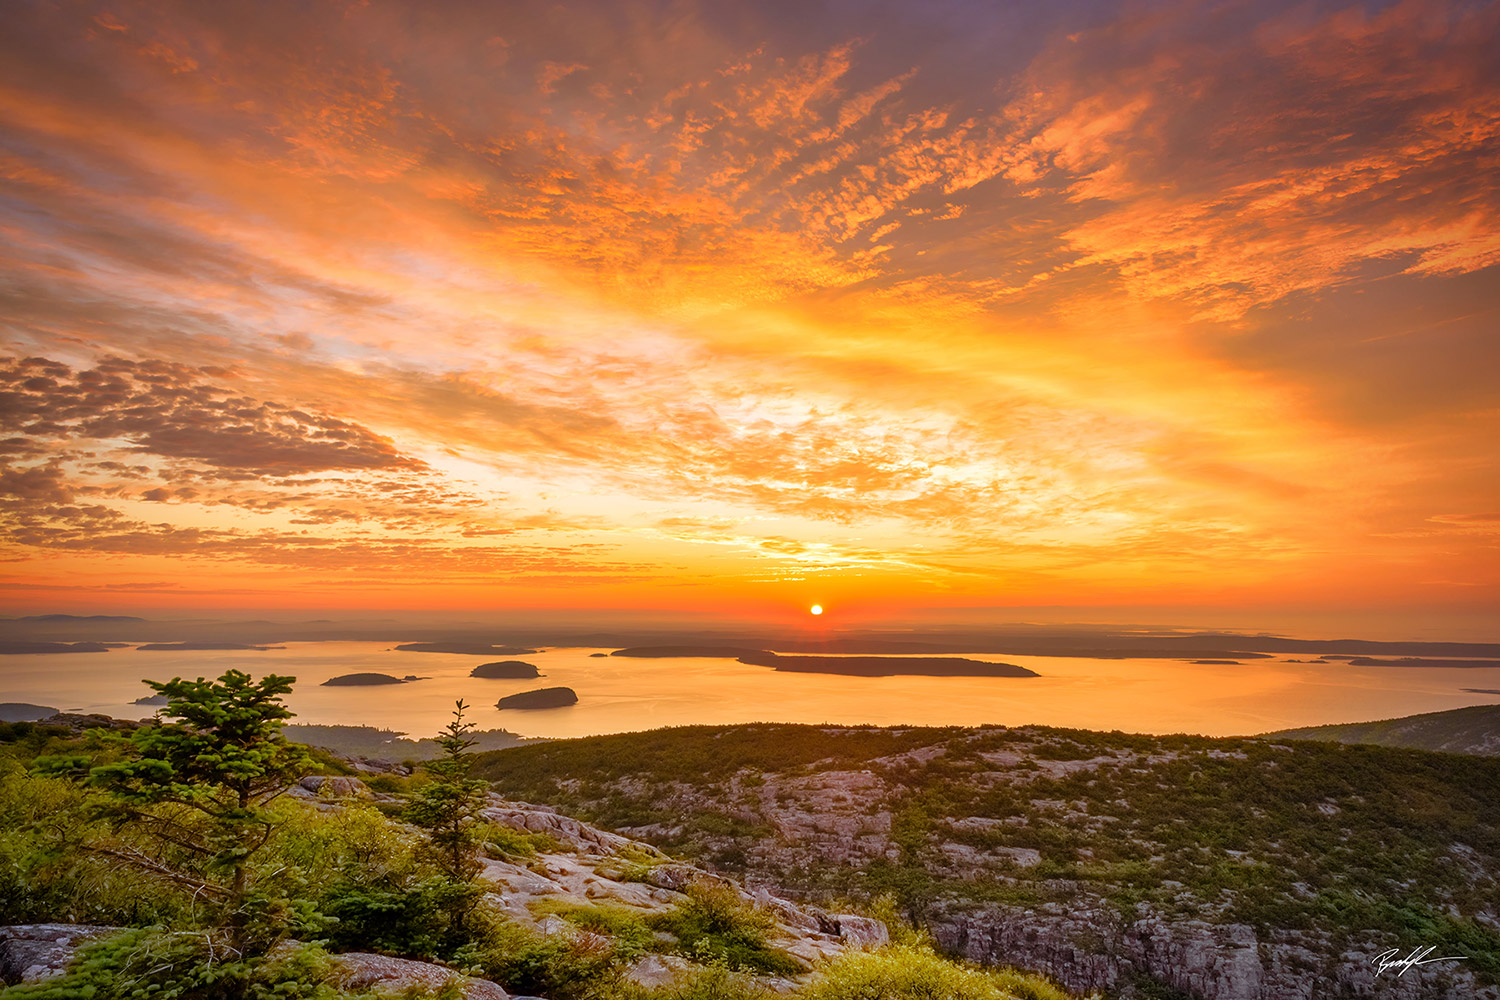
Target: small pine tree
x=447, y=808
x=201, y=785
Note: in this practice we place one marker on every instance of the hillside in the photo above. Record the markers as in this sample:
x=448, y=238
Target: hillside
x=1213, y=867
x=554, y=908
x=1472, y=730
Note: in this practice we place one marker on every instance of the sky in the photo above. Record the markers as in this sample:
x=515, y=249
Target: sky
x=732, y=308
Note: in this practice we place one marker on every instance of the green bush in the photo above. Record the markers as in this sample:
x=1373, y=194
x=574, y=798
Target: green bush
x=181, y=965
x=713, y=924
x=628, y=928
x=409, y=921
x=713, y=982
x=46, y=875
x=583, y=967
x=905, y=972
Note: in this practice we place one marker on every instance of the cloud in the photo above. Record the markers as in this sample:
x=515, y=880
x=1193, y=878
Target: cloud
x=175, y=411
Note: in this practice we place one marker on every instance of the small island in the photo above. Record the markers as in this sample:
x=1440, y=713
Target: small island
x=363, y=680
x=888, y=666
x=151, y=699
x=713, y=652
x=1412, y=661
x=9, y=646
x=1227, y=663
x=555, y=697
x=466, y=648
x=20, y=711
x=506, y=670
x=206, y=646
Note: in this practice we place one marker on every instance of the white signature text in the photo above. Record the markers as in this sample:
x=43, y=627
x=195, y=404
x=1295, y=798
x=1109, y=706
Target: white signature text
x=1391, y=960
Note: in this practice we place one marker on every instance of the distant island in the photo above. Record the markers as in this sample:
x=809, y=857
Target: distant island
x=365, y=680
x=887, y=666
x=151, y=699
x=13, y=646
x=20, y=711
x=506, y=669
x=466, y=648
x=1234, y=663
x=205, y=646
x=554, y=697
x=714, y=652
x=1412, y=661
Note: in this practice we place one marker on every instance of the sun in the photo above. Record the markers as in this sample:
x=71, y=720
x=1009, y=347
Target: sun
x=816, y=609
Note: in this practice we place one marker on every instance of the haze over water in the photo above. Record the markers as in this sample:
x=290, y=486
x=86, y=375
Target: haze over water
x=618, y=694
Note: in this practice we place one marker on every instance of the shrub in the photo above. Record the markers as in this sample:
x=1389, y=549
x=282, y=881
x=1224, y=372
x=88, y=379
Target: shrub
x=46, y=876
x=410, y=921
x=906, y=972
x=714, y=924
x=627, y=928
x=583, y=967
x=713, y=982
x=181, y=965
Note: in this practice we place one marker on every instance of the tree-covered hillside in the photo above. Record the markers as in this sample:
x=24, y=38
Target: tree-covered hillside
x=1324, y=847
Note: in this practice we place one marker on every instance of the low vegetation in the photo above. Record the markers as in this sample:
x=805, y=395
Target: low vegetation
x=226, y=889
x=1342, y=840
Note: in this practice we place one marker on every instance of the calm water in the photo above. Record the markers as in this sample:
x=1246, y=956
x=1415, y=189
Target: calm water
x=618, y=694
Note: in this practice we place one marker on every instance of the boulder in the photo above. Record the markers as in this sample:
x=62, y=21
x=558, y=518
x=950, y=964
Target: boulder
x=861, y=932
x=32, y=952
x=357, y=970
x=656, y=970
x=338, y=787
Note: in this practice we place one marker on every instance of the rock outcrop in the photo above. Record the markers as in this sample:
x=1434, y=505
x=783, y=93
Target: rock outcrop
x=383, y=975
x=595, y=866
x=33, y=952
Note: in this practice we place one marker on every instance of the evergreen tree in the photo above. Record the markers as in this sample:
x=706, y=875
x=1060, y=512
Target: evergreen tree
x=447, y=808
x=200, y=785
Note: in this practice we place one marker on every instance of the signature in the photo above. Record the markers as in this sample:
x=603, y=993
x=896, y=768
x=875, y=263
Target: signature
x=1391, y=960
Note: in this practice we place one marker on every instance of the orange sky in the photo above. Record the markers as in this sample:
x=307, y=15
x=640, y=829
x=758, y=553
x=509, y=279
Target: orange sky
x=739, y=307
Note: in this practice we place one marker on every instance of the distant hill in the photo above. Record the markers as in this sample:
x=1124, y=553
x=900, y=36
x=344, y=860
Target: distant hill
x=368, y=741
x=1473, y=730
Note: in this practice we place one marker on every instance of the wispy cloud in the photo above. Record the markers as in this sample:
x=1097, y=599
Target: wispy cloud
x=1008, y=304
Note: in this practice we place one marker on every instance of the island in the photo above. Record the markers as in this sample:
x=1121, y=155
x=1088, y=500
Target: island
x=9, y=646
x=1412, y=661
x=466, y=648
x=363, y=680
x=555, y=697
x=151, y=699
x=593, y=655
x=205, y=646
x=1231, y=663
x=20, y=711
x=506, y=669
x=714, y=652
x=888, y=666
